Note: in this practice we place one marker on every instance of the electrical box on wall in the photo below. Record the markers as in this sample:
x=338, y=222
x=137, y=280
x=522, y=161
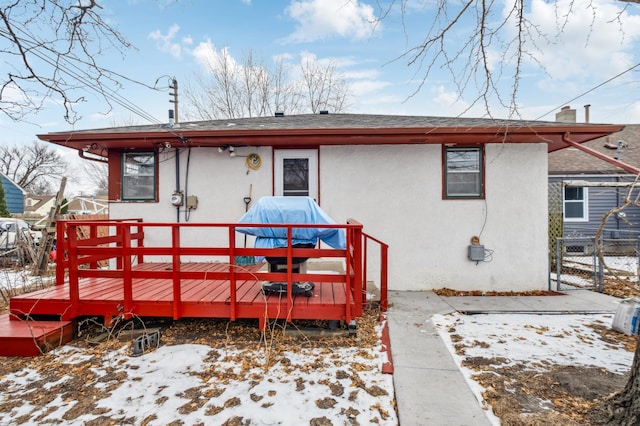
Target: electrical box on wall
x=192, y=202
x=176, y=199
x=476, y=252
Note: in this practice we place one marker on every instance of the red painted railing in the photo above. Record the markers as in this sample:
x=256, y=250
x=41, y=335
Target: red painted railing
x=129, y=243
x=384, y=271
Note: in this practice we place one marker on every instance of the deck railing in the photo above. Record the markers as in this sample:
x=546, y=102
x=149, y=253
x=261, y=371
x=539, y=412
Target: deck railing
x=384, y=271
x=132, y=242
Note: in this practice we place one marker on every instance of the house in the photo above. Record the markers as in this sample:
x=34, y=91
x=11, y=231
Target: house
x=87, y=205
x=462, y=202
x=38, y=206
x=13, y=195
x=590, y=187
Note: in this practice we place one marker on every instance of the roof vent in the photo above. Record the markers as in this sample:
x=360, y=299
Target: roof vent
x=279, y=113
x=324, y=111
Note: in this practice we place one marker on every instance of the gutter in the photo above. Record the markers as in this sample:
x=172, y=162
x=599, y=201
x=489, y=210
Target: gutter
x=627, y=167
x=84, y=157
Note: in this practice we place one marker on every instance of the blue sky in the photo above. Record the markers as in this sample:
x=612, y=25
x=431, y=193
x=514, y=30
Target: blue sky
x=173, y=38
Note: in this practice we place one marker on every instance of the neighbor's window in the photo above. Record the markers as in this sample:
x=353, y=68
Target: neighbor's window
x=463, y=172
x=138, y=176
x=575, y=206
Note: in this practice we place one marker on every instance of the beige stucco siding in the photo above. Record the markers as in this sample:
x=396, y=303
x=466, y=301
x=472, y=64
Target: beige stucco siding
x=396, y=192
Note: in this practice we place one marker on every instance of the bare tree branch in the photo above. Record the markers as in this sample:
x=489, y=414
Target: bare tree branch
x=228, y=89
x=51, y=47
x=35, y=168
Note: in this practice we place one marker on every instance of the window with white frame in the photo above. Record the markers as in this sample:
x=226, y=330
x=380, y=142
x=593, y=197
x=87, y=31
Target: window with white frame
x=575, y=204
x=138, y=176
x=463, y=172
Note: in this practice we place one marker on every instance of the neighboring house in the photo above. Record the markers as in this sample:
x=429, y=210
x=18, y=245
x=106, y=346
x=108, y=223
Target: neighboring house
x=38, y=206
x=591, y=187
x=83, y=205
x=427, y=186
x=13, y=195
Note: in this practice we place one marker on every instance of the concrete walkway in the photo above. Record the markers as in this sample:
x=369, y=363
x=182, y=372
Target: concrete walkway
x=430, y=389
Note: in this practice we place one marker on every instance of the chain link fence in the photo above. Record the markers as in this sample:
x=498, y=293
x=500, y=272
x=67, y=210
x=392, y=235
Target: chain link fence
x=578, y=265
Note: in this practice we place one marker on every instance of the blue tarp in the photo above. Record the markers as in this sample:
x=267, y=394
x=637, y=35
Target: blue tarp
x=290, y=210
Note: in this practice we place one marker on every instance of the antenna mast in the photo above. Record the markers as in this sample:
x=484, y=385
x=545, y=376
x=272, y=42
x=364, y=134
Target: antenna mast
x=174, y=86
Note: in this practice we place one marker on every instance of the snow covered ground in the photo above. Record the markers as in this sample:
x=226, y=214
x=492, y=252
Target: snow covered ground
x=196, y=384
x=206, y=382
x=536, y=341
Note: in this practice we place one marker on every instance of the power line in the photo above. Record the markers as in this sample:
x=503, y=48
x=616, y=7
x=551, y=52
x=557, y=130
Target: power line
x=103, y=91
x=591, y=90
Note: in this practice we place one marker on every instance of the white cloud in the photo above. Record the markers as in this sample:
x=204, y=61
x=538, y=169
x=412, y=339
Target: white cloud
x=594, y=41
x=207, y=56
x=166, y=43
x=322, y=19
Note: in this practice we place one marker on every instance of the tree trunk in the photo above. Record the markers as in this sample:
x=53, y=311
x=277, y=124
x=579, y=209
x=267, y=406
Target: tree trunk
x=624, y=407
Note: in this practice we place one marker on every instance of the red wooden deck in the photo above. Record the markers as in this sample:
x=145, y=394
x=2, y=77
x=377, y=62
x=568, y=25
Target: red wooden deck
x=136, y=283
x=205, y=296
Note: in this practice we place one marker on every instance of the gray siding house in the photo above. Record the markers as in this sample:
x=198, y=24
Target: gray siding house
x=591, y=187
x=13, y=195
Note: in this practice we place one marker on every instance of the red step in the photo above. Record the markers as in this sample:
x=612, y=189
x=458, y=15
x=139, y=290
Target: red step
x=32, y=338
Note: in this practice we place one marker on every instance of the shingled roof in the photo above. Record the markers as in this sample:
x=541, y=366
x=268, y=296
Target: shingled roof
x=574, y=161
x=330, y=129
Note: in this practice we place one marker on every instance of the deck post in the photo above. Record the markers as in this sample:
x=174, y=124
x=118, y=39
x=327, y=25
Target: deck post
x=365, y=254
x=140, y=241
x=348, y=274
x=232, y=272
x=289, y=272
x=126, y=269
x=74, y=291
x=120, y=242
x=357, y=272
x=61, y=248
x=384, y=277
x=93, y=234
x=175, y=258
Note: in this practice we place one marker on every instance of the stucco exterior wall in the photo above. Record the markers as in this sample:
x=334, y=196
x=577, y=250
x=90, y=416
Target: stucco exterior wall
x=396, y=192
x=218, y=180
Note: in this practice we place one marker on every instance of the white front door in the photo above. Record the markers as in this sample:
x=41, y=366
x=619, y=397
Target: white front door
x=296, y=172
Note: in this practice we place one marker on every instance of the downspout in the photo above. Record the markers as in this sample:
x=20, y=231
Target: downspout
x=624, y=166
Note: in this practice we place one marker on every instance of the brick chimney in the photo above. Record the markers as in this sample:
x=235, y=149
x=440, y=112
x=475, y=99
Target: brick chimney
x=566, y=115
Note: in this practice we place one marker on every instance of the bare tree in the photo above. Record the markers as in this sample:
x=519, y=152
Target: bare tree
x=325, y=88
x=228, y=89
x=35, y=168
x=97, y=174
x=50, y=49
x=481, y=44
x=623, y=408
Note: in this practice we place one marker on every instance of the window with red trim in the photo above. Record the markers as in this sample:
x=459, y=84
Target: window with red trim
x=463, y=172
x=138, y=176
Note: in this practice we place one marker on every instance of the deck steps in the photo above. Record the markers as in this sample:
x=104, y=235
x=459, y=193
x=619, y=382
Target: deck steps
x=32, y=338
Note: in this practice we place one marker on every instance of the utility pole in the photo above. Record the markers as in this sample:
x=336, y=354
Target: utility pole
x=174, y=86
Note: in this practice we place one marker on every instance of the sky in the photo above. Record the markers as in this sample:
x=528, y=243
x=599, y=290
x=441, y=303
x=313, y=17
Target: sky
x=567, y=58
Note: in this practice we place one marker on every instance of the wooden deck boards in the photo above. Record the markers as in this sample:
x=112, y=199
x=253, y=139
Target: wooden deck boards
x=199, y=297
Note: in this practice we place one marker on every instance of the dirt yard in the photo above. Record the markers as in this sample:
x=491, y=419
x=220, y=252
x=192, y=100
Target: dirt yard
x=528, y=394
x=549, y=394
